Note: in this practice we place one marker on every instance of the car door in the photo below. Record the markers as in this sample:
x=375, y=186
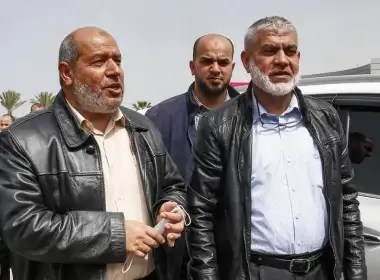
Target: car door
x=360, y=117
x=365, y=120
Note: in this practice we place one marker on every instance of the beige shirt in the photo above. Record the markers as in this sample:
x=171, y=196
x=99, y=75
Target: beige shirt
x=123, y=187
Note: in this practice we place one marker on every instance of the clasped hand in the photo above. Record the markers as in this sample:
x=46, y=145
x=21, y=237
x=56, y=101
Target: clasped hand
x=141, y=238
x=176, y=224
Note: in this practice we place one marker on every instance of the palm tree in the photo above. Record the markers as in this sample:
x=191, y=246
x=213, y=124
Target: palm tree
x=141, y=105
x=11, y=100
x=44, y=98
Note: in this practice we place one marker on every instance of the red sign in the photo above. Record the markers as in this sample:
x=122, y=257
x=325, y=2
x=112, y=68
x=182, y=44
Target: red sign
x=238, y=84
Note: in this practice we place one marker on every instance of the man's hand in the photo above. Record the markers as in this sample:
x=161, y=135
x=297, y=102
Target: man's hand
x=141, y=239
x=176, y=224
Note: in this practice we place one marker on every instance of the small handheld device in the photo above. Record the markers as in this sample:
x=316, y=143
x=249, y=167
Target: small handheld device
x=160, y=227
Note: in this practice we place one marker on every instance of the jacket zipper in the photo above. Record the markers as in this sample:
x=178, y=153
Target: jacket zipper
x=322, y=152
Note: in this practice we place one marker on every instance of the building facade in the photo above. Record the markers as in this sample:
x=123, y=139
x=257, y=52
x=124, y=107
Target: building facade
x=372, y=68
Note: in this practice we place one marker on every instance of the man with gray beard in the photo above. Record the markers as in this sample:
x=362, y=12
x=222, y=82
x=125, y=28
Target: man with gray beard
x=84, y=181
x=270, y=196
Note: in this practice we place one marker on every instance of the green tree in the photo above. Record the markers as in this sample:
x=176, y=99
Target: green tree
x=11, y=100
x=44, y=98
x=141, y=105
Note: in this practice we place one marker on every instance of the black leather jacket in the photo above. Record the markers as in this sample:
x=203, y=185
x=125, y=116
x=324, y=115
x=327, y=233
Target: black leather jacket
x=52, y=197
x=219, y=198
x=4, y=261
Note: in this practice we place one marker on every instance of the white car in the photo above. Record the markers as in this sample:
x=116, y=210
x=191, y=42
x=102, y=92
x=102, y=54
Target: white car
x=143, y=111
x=357, y=100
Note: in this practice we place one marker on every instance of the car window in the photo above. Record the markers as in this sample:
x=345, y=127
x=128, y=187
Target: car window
x=364, y=147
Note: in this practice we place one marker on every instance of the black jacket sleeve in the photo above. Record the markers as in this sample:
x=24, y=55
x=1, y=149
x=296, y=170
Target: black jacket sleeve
x=354, y=265
x=4, y=261
x=35, y=232
x=202, y=199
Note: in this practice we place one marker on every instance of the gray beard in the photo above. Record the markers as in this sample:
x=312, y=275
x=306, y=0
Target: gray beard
x=276, y=89
x=91, y=101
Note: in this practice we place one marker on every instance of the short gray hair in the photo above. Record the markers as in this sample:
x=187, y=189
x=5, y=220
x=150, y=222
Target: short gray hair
x=268, y=23
x=68, y=52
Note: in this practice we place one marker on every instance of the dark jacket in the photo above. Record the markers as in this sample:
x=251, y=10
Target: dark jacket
x=52, y=196
x=4, y=261
x=219, y=194
x=174, y=118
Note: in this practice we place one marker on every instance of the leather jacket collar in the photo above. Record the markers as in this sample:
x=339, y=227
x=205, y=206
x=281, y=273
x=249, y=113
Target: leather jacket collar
x=73, y=134
x=247, y=105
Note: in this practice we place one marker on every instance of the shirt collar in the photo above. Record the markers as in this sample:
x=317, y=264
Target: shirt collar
x=293, y=109
x=116, y=119
x=197, y=102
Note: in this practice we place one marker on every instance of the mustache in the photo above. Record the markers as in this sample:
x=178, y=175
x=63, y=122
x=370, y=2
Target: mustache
x=280, y=72
x=113, y=85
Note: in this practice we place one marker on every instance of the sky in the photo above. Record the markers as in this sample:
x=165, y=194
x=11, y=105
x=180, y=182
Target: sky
x=156, y=38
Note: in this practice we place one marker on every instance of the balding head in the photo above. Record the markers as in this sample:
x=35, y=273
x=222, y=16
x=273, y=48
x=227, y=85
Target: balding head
x=90, y=70
x=212, y=38
x=71, y=44
x=87, y=36
x=36, y=107
x=212, y=66
x=5, y=121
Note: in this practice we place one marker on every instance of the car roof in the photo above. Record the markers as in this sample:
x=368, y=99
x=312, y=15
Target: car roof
x=349, y=84
x=143, y=111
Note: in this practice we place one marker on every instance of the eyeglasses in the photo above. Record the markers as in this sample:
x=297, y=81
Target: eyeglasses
x=273, y=122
